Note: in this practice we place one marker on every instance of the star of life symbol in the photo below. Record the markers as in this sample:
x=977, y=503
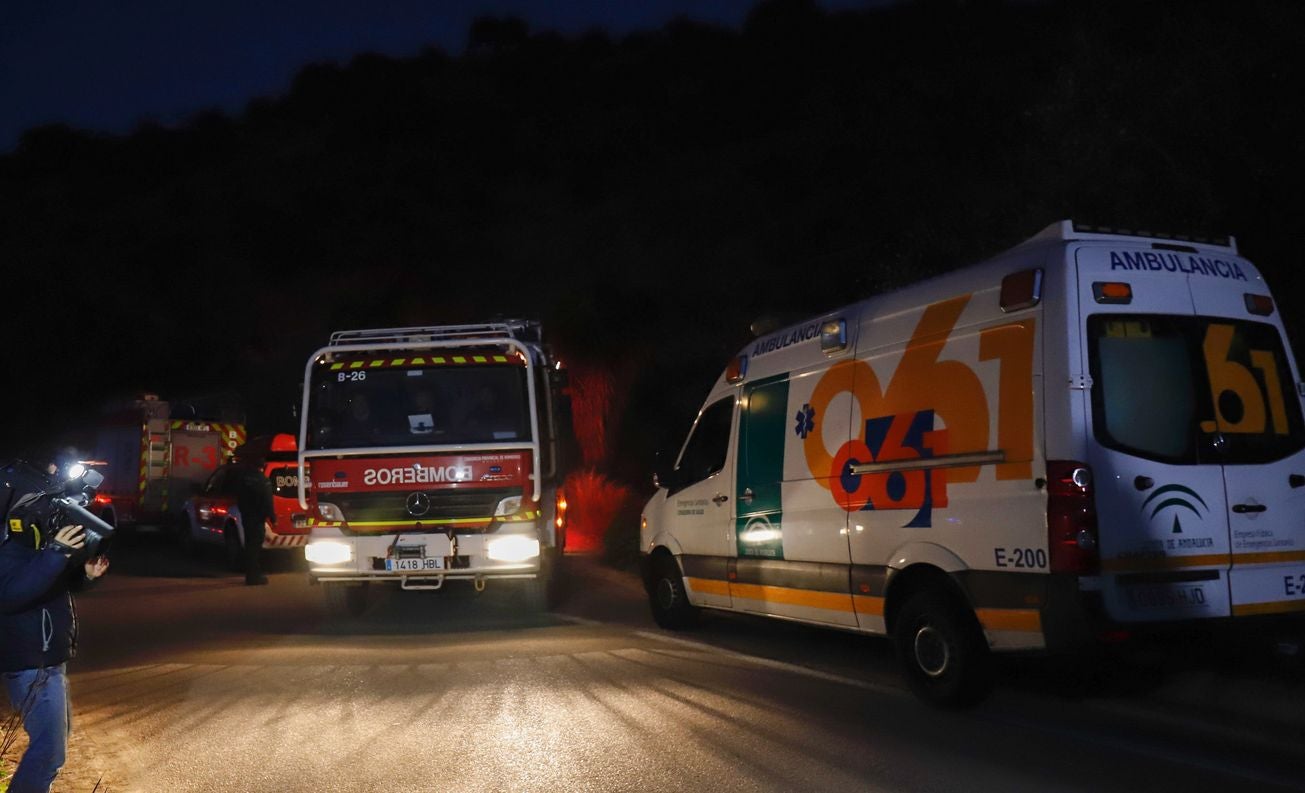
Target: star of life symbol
x=806, y=421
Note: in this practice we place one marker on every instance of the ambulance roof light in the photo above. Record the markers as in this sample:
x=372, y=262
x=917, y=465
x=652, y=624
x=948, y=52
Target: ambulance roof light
x=1260, y=305
x=1021, y=290
x=1064, y=230
x=1112, y=292
x=737, y=370
x=833, y=336
x=1219, y=240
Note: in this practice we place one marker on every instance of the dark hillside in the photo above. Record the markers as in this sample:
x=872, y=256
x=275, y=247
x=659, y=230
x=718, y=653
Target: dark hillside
x=647, y=197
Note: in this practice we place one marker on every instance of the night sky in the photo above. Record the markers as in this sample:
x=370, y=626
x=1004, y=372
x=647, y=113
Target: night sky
x=106, y=66
x=644, y=184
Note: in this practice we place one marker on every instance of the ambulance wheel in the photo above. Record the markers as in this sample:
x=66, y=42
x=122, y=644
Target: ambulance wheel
x=942, y=652
x=670, y=602
x=232, y=548
x=343, y=599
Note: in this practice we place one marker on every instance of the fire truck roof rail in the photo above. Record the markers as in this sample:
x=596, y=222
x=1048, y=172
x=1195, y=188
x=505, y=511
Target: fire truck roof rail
x=522, y=330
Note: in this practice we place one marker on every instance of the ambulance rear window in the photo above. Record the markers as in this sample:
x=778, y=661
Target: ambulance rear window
x=1192, y=390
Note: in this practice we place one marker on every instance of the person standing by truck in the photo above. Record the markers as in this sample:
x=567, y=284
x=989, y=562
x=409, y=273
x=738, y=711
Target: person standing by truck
x=254, y=498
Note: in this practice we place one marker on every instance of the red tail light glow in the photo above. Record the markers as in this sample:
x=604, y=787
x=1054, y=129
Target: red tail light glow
x=1071, y=519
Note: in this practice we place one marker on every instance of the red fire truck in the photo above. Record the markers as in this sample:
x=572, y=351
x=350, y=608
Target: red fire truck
x=434, y=454
x=153, y=461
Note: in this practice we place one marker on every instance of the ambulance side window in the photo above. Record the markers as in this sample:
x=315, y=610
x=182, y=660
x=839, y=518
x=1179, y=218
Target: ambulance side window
x=705, y=452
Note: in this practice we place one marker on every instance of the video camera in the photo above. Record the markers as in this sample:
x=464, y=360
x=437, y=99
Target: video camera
x=36, y=505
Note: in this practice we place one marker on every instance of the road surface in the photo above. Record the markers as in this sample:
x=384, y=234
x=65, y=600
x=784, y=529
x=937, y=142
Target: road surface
x=189, y=681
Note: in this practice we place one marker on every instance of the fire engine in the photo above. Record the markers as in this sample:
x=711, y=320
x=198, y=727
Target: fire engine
x=432, y=454
x=153, y=460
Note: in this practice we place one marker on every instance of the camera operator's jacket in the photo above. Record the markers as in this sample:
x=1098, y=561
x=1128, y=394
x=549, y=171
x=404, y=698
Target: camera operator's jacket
x=38, y=621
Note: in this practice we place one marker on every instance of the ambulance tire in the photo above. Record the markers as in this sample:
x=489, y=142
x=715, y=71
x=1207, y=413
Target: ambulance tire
x=345, y=600
x=671, y=608
x=232, y=548
x=942, y=651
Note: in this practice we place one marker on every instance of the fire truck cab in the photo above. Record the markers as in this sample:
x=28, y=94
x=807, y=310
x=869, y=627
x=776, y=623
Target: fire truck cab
x=431, y=454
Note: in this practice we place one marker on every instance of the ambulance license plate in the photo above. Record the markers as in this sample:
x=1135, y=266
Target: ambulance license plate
x=414, y=565
x=1166, y=596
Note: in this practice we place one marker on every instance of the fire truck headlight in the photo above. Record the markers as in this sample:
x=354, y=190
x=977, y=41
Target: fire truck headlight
x=330, y=512
x=508, y=506
x=328, y=552
x=512, y=548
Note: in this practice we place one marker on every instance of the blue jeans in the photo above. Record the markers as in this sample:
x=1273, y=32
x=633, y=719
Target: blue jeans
x=41, y=696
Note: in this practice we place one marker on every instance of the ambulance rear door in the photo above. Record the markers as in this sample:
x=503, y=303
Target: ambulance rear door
x=1257, y=416
x=1156, y=469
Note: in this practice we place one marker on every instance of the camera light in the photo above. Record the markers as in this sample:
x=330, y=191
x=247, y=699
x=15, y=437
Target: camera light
x=512, y=548
x=328, y=552
x=76, y=470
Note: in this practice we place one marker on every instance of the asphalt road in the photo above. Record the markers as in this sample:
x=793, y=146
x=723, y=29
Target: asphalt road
x=189, y=681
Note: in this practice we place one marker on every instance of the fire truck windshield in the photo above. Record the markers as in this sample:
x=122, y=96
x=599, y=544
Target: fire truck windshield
x=435, y=406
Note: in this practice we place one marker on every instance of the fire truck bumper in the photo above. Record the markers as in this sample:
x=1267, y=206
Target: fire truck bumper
x=424, y=560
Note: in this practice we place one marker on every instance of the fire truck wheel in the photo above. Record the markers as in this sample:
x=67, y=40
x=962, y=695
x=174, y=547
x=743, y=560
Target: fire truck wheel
x=343, y=599
x=670, y=602
x=941, y=650
x=233, y=549
x=186, y=540
x=537, y=593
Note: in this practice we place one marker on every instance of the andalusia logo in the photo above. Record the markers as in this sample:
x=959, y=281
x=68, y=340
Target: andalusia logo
x=1177, y=496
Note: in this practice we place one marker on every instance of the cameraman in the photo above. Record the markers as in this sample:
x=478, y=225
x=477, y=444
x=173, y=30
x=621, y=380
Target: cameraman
x=38, y=634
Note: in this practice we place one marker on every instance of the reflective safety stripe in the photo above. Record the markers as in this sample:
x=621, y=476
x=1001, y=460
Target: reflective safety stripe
x=1281, y=607
x=1269, y=557
x=1029, y=620
x=1200, y=560
x=422, y=361
x=424, y=522
x=868, y=605
x=830, y=601
x=708, y=586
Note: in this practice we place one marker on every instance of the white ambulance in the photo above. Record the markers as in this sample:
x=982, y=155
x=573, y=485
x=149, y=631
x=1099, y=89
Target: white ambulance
x=1091, y=431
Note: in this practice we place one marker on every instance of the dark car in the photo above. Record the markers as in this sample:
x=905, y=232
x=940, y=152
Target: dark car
x=213, y=518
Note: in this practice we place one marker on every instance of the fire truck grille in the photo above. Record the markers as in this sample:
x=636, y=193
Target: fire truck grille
x=440, y=505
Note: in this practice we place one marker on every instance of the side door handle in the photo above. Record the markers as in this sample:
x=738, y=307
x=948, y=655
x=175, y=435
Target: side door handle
x=720, y=498
x=746, y=496
x=1242, y=509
